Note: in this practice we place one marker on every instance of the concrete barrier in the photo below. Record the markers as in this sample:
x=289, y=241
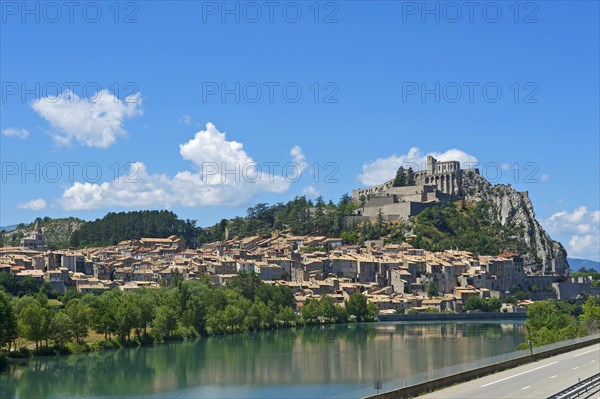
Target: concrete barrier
x=439, y=383
x=454, y=316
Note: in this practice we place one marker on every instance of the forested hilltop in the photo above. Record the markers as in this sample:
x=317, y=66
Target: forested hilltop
x=115, y=227
x=461, y=225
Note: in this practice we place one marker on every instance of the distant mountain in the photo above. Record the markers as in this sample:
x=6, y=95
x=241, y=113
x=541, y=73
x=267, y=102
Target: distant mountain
x=577, y=264
x=8, y=228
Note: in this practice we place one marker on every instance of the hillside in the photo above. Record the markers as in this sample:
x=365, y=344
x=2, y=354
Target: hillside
x=115, y=227
x=487, y=219
x=513, y=211
x=58, y=232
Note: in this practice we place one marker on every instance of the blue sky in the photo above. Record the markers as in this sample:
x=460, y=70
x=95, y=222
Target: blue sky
x=191, y=85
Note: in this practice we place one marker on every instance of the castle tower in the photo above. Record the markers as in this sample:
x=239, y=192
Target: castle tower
x=431, y=164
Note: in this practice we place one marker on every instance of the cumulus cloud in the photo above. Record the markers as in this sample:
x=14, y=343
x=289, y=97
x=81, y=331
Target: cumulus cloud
x=383, y=169
x=96, y=122
x=298, y=157
x=310, y=192
x=223, y=174
x=15, y=132
x=582, y=229
x=34, y=205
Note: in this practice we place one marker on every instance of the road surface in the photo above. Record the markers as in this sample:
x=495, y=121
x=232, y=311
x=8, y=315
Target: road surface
x=534, y=380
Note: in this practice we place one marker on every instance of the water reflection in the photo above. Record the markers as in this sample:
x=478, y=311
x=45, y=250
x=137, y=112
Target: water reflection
x=318, y=357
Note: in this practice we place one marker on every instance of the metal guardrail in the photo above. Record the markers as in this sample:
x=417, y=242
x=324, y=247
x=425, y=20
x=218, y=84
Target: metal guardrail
x=584, y=388
x=444, y=372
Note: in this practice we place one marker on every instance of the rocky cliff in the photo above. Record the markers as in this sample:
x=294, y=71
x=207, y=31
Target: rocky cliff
x=514, y=209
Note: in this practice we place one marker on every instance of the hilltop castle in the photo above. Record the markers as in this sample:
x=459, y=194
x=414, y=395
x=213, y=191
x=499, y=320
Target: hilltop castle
x=439, y=182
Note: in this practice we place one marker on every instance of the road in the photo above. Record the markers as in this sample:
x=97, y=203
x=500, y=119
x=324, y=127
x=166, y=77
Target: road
x=535, y=380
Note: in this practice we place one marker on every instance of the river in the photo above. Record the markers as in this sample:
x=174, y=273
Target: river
x=341, y=361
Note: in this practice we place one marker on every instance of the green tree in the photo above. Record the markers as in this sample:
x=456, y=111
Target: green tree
x=591, y=312
x=410, y=177
x=62, y=329
x=79, y=315
x=31, y=323
x=482, y=304
x=327, y=308
x=195, y=313
x=400, y=179
x=245, y=283
x=126, y=317
x=432, y=289
x=8, y=321
x=550, y=321
x=356, y=305
x=165, y=322
x=310, y=311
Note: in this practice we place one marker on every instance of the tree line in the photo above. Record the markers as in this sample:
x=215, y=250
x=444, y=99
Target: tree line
x=115, y=227
x=553, y=321
x=188, y=309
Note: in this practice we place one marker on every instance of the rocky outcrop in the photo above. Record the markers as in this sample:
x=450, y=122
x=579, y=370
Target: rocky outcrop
x=514, y=209
x=58, y=232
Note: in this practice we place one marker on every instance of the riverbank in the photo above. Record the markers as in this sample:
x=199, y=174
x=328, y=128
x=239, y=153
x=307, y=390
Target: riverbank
x=454, y=316
x=312, y=362
x=184, y=334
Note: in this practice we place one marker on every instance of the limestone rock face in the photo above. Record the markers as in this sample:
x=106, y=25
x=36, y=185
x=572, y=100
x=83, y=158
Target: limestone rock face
x=514, y=209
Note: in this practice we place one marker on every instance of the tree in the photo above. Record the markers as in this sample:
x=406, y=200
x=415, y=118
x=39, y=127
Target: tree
x=410, y=177
x=482, y=304
x=195, y=313
x=79, y=315
x=400, y=179
x=165, y=322
x=103, y=312
x=357, y=306
x=591, y=312
x=31, y=323
x=62, y=329
x=126, y=318
x=327, y=308
x=245, y=283
x=8, y=321
x=310, y=310
x=550, y=321
x=432, y=289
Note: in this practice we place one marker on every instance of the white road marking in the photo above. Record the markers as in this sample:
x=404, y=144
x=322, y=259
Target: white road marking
x=575, y=368
x=516, y=375
x=586, y=352
x=592, y=361
x=554, y=376
x=528, y=386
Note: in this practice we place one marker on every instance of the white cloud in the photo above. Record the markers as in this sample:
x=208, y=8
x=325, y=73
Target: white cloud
x=310, y=192
x=298, y=157
x=185, y=119
x=15, y=132
x=582, y=229
x=224, y=174
x=34, y=205
x=383, y=169
x=94, y=122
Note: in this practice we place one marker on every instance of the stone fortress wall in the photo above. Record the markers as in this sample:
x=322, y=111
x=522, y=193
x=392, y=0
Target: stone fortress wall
x=439, y=182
